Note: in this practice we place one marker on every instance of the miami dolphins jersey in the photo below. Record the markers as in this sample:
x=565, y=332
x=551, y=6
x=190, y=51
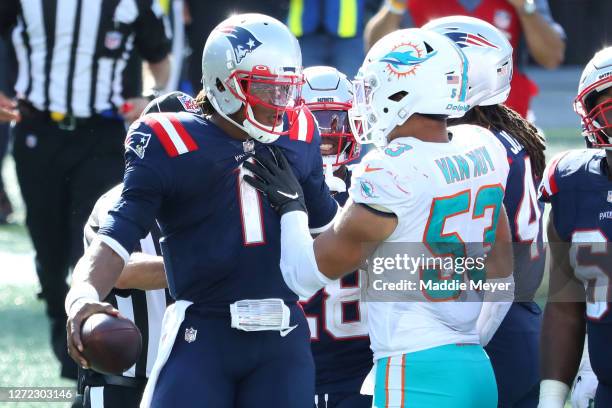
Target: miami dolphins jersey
x=578, y=187
x=446, y=196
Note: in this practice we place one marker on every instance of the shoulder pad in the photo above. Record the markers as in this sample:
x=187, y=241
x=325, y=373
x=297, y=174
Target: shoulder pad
x=171, y=133
x=564, y=171
x=376, y=182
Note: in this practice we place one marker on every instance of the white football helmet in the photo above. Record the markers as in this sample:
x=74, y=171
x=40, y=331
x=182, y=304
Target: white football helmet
x=328, y=94
x=489, y=54
x=596, y=119
x=406, y=72
x=250, y=60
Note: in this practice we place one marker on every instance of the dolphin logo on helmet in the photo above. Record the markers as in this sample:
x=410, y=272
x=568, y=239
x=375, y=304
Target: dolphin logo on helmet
x=405, y=58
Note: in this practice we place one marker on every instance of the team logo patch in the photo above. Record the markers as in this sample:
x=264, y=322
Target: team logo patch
x=242, y=40
x=464, y=40
x=138, y=142
x=397, y=150
x=406, y=57
x=112, y=40
x=367, y=189
x=190, y=334
x=189, y=104
x=610, y=196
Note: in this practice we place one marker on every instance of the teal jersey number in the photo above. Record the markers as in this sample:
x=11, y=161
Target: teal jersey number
x=450, y=244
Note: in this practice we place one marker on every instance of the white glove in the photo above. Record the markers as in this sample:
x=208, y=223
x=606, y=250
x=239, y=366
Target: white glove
x=335, y=184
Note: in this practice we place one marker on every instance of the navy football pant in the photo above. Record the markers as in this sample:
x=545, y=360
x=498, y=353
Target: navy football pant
x=228, y=368
x=514, y=353
x=343, y=400
x=603, y=395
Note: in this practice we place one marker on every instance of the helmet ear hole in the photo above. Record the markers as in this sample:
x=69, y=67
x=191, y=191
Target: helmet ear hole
x=219, y=85
x=398, y=96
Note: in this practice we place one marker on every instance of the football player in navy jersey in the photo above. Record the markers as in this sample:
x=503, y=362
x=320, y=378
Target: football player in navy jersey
x=236, y=336
x=339, y=335
x=145, y=272
x=578, y=186
x=513, y=348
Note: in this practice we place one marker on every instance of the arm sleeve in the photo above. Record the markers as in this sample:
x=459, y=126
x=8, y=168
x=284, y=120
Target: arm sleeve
x=152, y=38
x=9, y=10
x=146, y=180
x=322, y=208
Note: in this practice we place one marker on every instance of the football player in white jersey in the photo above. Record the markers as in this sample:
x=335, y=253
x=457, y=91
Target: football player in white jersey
x=430, y=198
x=514, y=346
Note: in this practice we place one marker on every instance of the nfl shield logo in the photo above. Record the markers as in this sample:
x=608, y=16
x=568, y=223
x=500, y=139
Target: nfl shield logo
x=610, y=196
x=190, y=334
x=189, y=104
x=248, y=146
x=112, y=40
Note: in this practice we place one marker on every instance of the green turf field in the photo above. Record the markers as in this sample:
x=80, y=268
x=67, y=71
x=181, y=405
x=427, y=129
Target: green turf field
x=25, y=357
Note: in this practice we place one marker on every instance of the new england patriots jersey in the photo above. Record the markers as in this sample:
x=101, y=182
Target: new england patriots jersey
x=525, y=216
x=578, y=186
x=221, y=238
x=338, y=331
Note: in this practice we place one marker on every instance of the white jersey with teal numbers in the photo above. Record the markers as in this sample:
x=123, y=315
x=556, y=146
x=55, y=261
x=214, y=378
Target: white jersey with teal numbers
x=442, y=194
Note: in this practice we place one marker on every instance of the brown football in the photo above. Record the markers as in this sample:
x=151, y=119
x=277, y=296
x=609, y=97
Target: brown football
x=111, y=344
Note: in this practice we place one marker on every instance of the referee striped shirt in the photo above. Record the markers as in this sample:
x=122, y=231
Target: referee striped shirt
x=144, y=307
x=72, y=53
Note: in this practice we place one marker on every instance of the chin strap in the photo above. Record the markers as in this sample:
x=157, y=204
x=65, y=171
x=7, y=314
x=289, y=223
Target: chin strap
x=256, y=133
x=335, y=184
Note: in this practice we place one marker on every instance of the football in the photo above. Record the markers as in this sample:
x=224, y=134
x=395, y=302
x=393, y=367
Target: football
x=111, y=344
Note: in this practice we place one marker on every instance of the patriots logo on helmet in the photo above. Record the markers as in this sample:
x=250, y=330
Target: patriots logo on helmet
x=137, y=142
x=405, y=58
x=466, y=40
x=242, y=40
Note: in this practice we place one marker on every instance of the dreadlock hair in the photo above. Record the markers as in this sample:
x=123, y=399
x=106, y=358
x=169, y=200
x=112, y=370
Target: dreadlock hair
x=500, y=117
x=204, y=103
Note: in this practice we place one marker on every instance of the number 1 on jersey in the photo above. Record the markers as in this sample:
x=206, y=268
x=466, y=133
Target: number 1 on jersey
x=251, y=213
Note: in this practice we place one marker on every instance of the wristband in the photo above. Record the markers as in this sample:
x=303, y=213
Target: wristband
x=80, y=291
x=553, y=394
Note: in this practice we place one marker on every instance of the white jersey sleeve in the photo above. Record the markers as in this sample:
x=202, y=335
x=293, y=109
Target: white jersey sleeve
x=377, y=183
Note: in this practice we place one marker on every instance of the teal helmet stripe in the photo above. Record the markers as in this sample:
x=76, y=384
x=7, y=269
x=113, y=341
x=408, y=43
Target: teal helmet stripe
x=464, y=76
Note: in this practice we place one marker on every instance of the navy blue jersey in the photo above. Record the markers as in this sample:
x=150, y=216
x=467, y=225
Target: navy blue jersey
x=339, y=334
x=577, y=184
x=525, y=216
x=221, y=238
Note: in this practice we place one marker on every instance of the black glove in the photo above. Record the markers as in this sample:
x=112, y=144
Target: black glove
x=276, y=180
